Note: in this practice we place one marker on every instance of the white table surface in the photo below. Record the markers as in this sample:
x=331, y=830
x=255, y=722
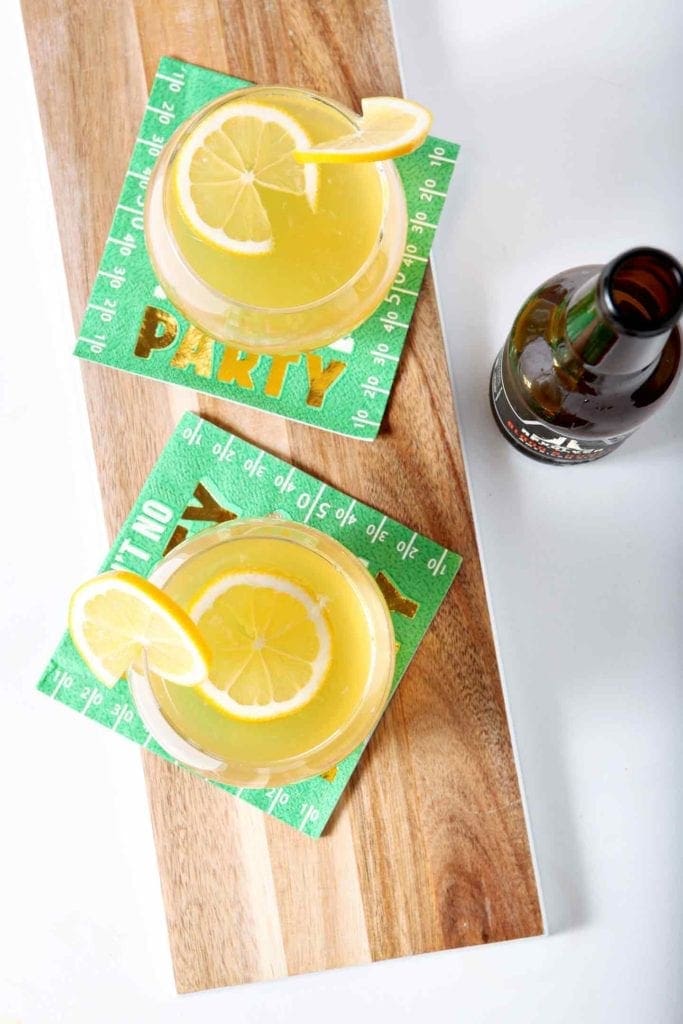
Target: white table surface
x=569, y=112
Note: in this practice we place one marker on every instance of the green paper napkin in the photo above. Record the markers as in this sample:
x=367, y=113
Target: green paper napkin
x=206, y=475
x=350, y=398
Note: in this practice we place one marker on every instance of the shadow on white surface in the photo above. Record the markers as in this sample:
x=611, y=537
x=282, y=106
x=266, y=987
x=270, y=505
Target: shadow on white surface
x=557, y=852
x=547, y=104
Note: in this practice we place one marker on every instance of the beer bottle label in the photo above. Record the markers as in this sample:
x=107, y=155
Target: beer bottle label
x=537, y=438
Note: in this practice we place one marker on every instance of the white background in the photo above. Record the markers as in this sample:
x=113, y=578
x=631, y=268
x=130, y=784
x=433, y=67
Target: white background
x=569, y=112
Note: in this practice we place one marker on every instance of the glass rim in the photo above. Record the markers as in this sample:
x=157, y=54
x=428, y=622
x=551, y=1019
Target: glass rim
x=387, y=169
x=609, y=276
x=210, y=763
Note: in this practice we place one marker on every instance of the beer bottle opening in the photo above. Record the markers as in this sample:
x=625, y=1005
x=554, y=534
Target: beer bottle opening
x=641, y=292
x=590, y=356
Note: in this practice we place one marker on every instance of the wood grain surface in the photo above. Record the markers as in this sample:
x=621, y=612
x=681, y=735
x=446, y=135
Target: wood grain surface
x=428, y=849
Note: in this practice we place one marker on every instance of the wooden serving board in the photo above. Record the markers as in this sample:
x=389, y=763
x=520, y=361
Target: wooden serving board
x=429, y=848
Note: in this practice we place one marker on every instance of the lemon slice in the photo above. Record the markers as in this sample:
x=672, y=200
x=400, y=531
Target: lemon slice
x=115, y=616
x=270, y=644
x=389, y=127
x=231, y=155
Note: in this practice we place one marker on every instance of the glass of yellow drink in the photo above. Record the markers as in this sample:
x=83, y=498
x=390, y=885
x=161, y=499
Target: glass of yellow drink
x=302, y=654
x=258, y=250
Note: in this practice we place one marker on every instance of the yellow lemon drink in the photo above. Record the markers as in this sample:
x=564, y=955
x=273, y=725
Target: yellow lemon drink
x=261, y=250
x=301, y=654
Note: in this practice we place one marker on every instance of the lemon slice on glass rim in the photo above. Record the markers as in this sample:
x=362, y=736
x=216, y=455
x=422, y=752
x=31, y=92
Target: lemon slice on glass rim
x=115, y=617
x=390, y=127
x=240, y=149
x=270, y=644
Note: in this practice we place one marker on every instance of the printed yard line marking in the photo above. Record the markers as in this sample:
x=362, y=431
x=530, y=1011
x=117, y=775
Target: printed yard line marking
x=385, y=355
x=58, y=687
x=121, y=241
x=315, y=501
x=170, y=78
x=107, y=273
x=363, y=421
x=405, y=291
x=101, y=309
x=437, y=567
x=409, y=547
x=285, y=483
x=222, y=453
x=91, y=341
x=137, y=174
x=238, y=792
x=149, y=736
x=255, y=464
x=378, y=530
x=275, y=801
x=414, y=256
x=119, y=717
x=193, y=437
x=441, y=159
x=159, y=110
x=394, y=323
x=348, y=513
x=423, y=223
x=93, y=694
x=307, y=816
x=432, y=191
x=137, y=212
x=148, y=142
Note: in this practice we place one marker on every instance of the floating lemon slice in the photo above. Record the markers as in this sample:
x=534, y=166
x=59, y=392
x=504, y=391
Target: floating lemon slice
x=116, y=616
x=389, y=127
x=231, y=155
x=270, y=644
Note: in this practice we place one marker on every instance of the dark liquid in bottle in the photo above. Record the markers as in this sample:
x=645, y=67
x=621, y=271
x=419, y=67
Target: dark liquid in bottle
x=590, y=356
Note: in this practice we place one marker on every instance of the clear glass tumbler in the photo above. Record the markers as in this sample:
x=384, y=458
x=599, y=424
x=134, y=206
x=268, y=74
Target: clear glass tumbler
x=302, y=646
x=335, y=246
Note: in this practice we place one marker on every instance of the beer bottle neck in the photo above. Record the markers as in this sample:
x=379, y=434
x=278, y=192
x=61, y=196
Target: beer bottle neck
x=619, y=320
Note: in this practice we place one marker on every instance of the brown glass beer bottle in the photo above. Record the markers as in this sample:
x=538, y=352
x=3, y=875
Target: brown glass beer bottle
x=592, y=353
